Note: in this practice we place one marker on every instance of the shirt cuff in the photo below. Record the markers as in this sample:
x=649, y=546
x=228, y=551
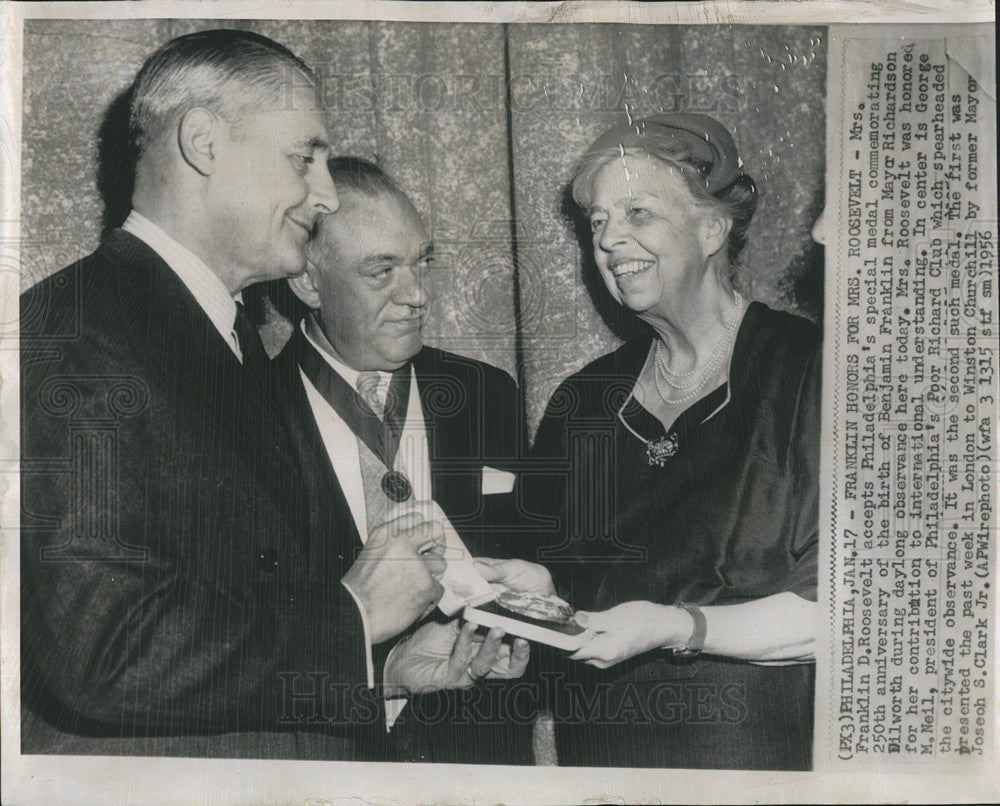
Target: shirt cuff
x=393, y=705
x=393, y=708
x=369, y=663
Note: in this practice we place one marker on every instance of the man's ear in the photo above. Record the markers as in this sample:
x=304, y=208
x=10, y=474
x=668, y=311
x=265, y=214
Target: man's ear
x=713, y=232
x=304, y=287
x=196, y=137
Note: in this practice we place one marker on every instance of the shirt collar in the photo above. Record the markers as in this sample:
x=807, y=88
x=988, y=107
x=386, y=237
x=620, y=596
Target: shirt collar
x=312, y=332
x=204, y=284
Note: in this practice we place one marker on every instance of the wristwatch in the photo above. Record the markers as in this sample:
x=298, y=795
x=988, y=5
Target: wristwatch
x=696, y=643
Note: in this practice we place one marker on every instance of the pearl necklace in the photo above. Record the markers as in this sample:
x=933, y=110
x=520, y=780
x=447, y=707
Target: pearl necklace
x=710, y=367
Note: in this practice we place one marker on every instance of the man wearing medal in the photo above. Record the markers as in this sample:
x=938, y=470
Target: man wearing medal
x=383, y=422
x=178, y=595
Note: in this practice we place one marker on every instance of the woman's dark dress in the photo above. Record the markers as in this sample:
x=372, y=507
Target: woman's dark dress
x=732, y=517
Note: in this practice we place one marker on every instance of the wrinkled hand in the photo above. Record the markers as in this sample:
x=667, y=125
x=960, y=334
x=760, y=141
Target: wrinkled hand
x=629, y=629
x=518, y=575
x=396, y=573
x=440, y=656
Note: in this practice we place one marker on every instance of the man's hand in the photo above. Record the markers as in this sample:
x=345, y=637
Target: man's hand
x=441, y=656
x=518, y=575
x=630, y=629
x=396, y=573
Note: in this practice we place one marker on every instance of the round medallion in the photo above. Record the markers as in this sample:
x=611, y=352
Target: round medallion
x=396, y=486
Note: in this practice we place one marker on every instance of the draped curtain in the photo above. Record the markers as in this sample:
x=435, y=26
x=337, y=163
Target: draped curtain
x=481, y=125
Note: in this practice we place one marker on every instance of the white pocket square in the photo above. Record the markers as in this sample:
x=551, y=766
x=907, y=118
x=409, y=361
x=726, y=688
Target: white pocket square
x=497, y=482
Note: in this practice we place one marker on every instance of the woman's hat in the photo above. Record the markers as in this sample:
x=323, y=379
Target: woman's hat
x=704, y=139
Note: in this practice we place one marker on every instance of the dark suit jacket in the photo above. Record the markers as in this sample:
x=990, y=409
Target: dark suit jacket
x=731, y=518
x=174, y=600
x=471, y=417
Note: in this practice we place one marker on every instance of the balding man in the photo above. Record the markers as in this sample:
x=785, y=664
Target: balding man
x=174, y=600
x=383, y=421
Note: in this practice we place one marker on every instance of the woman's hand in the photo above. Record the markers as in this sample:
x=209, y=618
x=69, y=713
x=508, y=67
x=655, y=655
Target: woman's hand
x=440, y=656
x=518, y=575
x=629, y=629
x=780, y=628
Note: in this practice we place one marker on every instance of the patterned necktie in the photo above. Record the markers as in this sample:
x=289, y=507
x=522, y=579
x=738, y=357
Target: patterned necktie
x=357, y=408
x=369, y=386
x=254, y=357
x=393, y=485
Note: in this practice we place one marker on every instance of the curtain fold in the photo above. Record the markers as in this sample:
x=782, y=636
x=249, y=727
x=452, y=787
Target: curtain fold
x=569, y=82
x=484, y=139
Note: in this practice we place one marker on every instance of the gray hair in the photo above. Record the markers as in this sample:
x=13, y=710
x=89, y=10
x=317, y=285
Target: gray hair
x=361, y=176
x=364, y=177
x=225, y=70
x=737, y=199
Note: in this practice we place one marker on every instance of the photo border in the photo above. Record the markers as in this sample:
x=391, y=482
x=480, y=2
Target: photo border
x=66, y=779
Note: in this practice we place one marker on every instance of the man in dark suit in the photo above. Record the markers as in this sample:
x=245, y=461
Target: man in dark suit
x=176, y=598
x=383, y=419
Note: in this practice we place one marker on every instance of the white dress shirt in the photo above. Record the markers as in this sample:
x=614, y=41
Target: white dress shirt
x=412, y=460
x=204, y=284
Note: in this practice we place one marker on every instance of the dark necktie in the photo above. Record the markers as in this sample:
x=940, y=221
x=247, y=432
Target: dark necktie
x=254, y=358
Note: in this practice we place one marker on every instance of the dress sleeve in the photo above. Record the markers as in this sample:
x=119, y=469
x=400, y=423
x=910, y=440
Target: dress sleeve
x=804, y=543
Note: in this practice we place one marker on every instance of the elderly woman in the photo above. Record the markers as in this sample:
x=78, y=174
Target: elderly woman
x=687, y=521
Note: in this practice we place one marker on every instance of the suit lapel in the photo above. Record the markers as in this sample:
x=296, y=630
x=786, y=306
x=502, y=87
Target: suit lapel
x=172, y=335
x=334, y=535
x=449, y=428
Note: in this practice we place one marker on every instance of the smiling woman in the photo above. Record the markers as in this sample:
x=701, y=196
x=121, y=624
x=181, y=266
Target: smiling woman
x=693, y=452
x=650, y=240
